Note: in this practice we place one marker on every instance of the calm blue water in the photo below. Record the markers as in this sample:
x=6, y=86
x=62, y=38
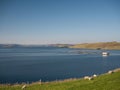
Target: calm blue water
x=49, y=63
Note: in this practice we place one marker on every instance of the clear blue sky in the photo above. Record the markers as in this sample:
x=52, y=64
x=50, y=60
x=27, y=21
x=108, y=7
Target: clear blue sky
x=59, y=21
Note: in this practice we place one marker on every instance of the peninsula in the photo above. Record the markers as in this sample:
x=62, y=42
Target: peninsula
x=99, y=45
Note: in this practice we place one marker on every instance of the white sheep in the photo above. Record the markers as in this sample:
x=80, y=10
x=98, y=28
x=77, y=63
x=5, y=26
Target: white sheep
x=110, y=72
x=94, y=75
x=88, y=78
x=24, y=86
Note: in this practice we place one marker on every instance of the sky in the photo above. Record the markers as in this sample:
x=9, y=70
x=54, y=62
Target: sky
x=59, y=21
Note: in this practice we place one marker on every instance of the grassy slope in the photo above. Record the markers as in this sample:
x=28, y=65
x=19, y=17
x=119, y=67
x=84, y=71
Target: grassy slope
x=102, y=82
x=102, y=45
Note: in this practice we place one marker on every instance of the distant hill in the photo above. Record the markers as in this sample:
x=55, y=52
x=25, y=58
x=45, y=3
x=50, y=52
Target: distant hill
x=9, y=45
x=100, y=45
x=18, y=46
x=61, y=45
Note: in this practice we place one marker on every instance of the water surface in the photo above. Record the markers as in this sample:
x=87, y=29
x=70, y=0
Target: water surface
x=50, y=63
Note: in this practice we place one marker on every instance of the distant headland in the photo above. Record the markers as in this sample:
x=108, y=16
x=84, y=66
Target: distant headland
x=99, y=45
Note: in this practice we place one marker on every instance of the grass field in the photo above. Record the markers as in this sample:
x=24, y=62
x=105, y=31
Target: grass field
x=102, y=82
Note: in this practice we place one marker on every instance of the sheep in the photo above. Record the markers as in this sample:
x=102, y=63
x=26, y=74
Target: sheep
x=24, y=86
x=110, y=72
x=88, y=78
x=94, y=75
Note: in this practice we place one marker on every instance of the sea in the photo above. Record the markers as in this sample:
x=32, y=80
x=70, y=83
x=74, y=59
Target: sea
x=46, y=63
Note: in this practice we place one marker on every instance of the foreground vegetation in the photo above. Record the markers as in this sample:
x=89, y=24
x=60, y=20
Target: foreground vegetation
x=101, y=82
x=100, y=45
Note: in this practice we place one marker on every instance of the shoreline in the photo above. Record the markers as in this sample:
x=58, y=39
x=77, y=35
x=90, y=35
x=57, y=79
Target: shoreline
x=94, y=48
x=57, y=81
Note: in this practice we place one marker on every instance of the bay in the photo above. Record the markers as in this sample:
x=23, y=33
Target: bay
x=25, y=64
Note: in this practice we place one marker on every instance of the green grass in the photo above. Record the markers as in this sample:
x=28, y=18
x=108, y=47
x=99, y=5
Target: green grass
x=102, y=82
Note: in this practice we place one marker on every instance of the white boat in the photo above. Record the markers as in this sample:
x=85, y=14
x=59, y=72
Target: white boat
x=105, y=53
